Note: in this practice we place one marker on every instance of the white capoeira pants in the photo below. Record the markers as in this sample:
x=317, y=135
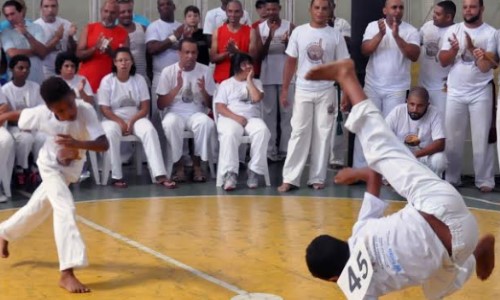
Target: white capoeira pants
x=53, y=195
x=271, y=109
x=26, y=143
x=7, y=157
x=230, y=134
x=477, y=109
x=438, y=99
x=145, y=131
x=422, y=189
x=385, y=101
x=437, y=162
x=312, y=124
x=200, y=124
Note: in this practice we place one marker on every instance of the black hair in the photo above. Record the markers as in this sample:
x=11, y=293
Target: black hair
x=186, y=40
x=420, y=92
x=54, y=89
x=327, y=256
x=193, y=9
x=330, y=4
x=449, y=7
x=41, y=2
x=64, y=56
x=126, y=50
x=17, y=58
x=259, y=3
x=273, y=1
x=237, y=60
x=17, y=5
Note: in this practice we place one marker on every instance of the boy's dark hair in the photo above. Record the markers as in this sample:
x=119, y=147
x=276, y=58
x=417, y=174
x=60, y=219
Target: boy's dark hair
x=237, y=60
x=259, y=3
x=17, y=58
x=126, y=50
x=193, y=9
x=186, y=40
x=448, y=7
x=327, y=256
x=54, y=89
x=16, y=4
x=273, y=1
x=64, y=56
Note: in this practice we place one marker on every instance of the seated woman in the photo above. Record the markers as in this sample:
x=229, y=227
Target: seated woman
x=66, y=67
x=124, y=103
x=22, y=93
x=238, y=104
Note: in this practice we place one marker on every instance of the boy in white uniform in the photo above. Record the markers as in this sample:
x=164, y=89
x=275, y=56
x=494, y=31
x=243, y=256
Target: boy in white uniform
x=315, y=104
x=185, y=92
x=72, y=128
x=432, y=75
x=272, y=38
x=470, y=94
x=7, y=144
x=392, y=45
x=419, y=126
x=22, y=93
x=432, y=242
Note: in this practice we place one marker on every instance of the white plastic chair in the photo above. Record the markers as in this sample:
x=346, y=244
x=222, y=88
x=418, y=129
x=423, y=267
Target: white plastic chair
x=245, y=139
x=106, y=160
x=94, y=166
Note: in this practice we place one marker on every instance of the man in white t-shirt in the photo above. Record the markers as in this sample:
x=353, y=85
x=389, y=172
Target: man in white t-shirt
x=433, y=242
x=161, y=42
x=59, y=33
x=271, y=40
x=7, y=144
x=469, y=48
x=419, y=126
x=315, y=103
x=185, y=92
x=432, y=75
x=24, y=38
x=217, y=16
x=340, y=24
x=392, y=45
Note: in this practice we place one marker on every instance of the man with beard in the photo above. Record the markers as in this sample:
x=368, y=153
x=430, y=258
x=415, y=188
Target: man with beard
x=419, y=126
x=432, y=75
x=392, y=45
x=97, y=44
x=59, y=32
x=469, y=49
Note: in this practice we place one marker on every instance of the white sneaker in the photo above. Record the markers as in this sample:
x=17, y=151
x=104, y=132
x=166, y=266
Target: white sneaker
x=230, y=180
x=253, y=179
x=3, y=198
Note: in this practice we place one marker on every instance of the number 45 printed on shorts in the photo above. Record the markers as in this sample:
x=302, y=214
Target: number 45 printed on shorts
x=357, y=273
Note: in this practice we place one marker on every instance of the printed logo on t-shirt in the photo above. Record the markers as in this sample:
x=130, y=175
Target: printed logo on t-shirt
x=468, y=57
x=315, y=52
x=432, y=48
x=127, y=101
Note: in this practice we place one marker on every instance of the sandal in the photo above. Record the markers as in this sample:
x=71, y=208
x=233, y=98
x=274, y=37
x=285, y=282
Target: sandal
x=169, y=184
x=119, y=183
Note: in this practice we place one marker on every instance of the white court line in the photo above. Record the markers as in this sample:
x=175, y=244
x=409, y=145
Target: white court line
x=161, y=256
x=482, y=200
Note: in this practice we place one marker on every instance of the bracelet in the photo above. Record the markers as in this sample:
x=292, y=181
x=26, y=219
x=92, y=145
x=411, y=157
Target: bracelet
x=172, y=38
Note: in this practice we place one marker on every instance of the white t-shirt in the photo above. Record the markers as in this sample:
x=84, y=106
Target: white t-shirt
x=186, y=103
x=465, y=78
x=432, y=75
x=75, y=82
x=86, y=127
x=388, y=69
x=343, y=26
x=312, y=47
x=49, y=30
x=23, y=97
x=271, y=71
x=124, y=98
x=159, y=31
x=138, y=48
x=11, y=39
x=429, y=128
x=403, y=248
x=235, y=95
x=217, y=16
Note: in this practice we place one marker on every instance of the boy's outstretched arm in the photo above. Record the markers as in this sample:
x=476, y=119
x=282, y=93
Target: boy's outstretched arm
x=98, y=145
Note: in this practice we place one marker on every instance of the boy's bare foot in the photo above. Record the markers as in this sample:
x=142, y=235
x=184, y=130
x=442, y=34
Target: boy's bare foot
x=4, y=245
x=332, y=71
x=485, y=256
x=286, y=187
x=70, y=283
